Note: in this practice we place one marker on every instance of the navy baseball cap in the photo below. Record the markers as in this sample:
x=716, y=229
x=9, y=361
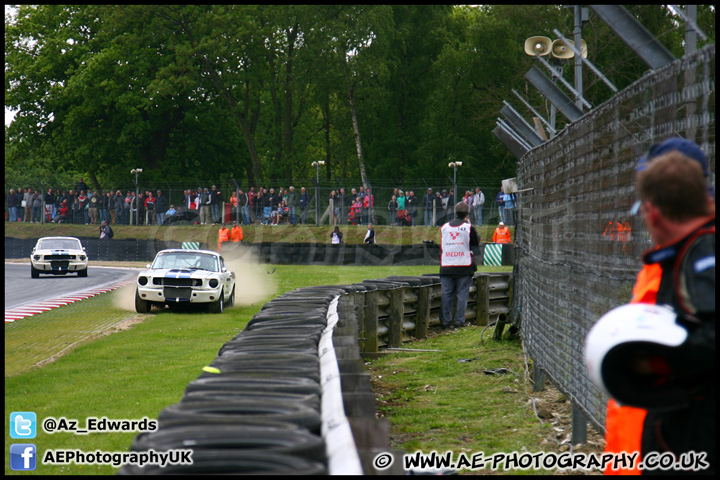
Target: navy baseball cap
x=688, y=148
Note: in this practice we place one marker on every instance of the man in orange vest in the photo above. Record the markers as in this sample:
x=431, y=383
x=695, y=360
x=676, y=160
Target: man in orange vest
x=502, y=234
x=223, y=236
x=237, y=233
x=679, y=272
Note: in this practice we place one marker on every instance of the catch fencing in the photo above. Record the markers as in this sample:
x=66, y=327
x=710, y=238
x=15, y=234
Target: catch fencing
x=578, y=249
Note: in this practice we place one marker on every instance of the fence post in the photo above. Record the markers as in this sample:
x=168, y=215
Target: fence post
x=396, y=311
x=423, y=311
x=371, y=321
x=579, y=425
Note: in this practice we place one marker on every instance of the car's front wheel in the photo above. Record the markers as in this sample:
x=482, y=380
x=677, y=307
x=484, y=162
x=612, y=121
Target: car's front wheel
x=218, y=306
x=141, y=306
x=34, y=272
x=82, y=273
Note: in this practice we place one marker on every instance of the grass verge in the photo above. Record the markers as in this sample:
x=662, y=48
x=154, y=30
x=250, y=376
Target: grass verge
x=139, y=371
x=251, y=234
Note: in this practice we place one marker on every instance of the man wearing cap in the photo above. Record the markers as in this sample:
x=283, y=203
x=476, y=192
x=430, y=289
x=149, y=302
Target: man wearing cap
x=677, y=203
x=501, y=234
x=106, y=232
x=427, y=203
x=457, y=265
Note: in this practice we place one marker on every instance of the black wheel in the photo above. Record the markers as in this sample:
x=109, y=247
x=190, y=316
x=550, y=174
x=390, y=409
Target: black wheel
x=232, y=298
x=34, y=272
x=218, y=306
x=141, y=306
x=82, y=273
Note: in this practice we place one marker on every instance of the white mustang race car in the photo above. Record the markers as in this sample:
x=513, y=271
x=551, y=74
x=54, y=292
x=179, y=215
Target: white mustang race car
x=58, y=256
x=186, y=276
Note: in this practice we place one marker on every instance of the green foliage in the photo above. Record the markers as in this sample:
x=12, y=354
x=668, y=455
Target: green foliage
x=258, y=92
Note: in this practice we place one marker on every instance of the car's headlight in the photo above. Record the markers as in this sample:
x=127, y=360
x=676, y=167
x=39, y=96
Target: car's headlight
x=82, y=258
x=37, y=257
x=213, y=282
x=142, y=280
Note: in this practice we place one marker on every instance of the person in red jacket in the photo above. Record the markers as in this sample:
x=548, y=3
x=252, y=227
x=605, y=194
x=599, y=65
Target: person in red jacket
x=502, y=234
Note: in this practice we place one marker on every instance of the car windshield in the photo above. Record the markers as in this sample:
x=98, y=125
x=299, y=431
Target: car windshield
x=189, y=260
x=59, y=244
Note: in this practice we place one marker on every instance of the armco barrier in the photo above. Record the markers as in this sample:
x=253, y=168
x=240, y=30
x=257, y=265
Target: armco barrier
x=133, y=250
x=289, y=395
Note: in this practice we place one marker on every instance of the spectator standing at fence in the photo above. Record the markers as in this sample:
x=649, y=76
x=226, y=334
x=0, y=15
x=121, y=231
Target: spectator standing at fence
x=336, y=236
x=370, y=235
x=216, y=204
x=333, y=205
x=393, y=209
x=368, y=206
x=150, y=208
x=678, y=208
x=509, y=199
x=205, y=200
x=478, y=203
x=28, y=197
x=37, y=201
x=127, y=203
x=411, y=203
x=161, y=205
x=13, y=203
x=244, y=204
x=292, y=204
x=342, y=200
x=93, y=205
x=401, y=208
x=457, y=265
x=49, y=204
x=501, y=234
x=501, y=204
x=427, y=203
x=102, y=206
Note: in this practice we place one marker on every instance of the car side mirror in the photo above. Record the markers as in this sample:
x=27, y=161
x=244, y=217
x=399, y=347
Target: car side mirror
x=224, y=269
x=148, y=266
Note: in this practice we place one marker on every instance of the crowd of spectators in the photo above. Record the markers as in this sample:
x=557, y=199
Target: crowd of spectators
x=205, y=206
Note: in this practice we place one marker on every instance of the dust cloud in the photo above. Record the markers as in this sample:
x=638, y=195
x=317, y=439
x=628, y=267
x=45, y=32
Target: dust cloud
x=124, y=297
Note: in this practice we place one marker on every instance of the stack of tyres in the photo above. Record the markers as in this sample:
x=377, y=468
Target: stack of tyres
x=261, y=413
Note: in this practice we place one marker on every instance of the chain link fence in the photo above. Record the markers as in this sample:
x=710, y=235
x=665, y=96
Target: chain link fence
x=578, y=247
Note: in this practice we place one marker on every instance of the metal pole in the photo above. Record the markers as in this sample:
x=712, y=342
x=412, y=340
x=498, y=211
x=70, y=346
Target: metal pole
x=578, y=60
x=137, y=201
x=317, y=195
x=690, y=32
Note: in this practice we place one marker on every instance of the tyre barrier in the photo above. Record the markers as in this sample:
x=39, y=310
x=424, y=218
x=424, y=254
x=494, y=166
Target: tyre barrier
x=289, y=394
x=280, y=253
